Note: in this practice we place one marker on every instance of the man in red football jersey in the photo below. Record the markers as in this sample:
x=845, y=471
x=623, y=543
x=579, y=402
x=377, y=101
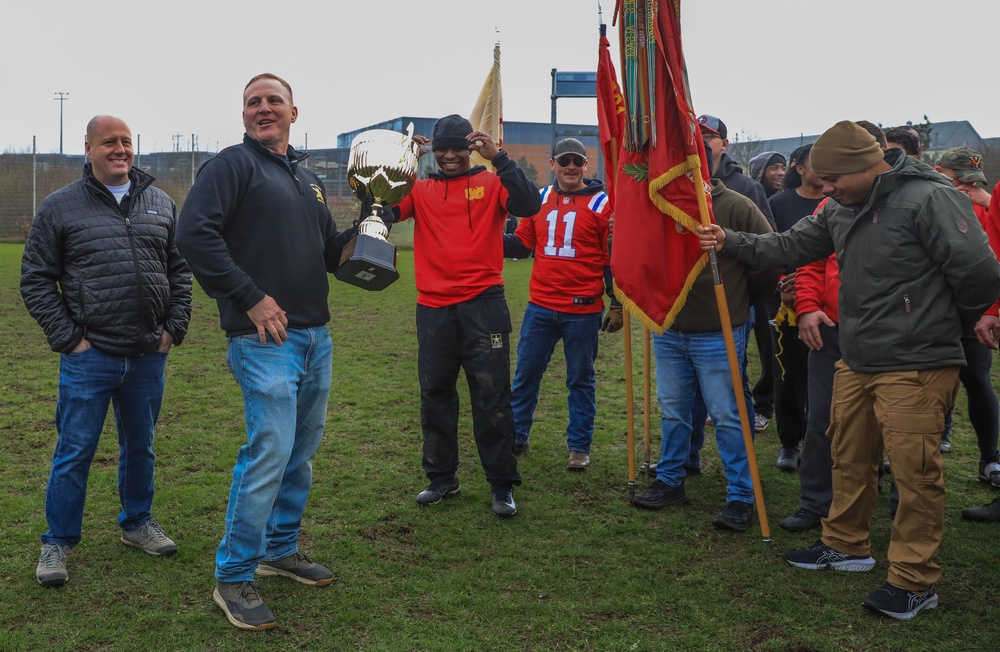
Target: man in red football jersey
x=569, y=240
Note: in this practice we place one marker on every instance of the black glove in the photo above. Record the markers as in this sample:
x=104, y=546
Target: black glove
x=614, y=320
x=386, y=213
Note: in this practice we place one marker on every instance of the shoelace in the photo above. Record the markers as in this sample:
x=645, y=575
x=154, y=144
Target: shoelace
x=53, y=557
x=153, y=531
x=249, y=594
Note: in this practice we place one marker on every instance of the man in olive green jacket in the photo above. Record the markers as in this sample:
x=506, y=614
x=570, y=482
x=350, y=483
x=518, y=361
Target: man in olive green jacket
x=914, y=265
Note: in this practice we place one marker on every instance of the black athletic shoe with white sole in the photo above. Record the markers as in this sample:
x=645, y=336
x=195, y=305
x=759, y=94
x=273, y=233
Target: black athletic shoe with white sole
x=819, y=555
x=899, y=603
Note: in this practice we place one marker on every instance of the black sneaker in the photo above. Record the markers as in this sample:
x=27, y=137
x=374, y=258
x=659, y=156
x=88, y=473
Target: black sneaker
x=659, y=495
x=243, y=606
x=899, y=603
x=983, y=514
x=520, y=449
x=800, y=521
x=438, y=491
x=503, y=503
x=788, y=459
x=734, y=516
x=819, y=555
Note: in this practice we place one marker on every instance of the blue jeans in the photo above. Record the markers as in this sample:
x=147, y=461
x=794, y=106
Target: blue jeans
x=285, y=392
x=541, y=329
x=88, y=382
x=699, y=413
x=687, y=361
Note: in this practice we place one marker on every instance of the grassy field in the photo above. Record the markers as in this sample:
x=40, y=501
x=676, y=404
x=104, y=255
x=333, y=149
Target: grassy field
x=577, y=569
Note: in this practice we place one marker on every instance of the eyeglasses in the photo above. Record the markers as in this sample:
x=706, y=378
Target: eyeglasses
x=564, y=161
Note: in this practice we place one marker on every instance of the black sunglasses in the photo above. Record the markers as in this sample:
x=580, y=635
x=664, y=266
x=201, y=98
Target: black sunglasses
x=564, y=161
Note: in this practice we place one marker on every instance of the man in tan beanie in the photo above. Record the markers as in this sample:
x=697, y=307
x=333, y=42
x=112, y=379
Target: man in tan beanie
x=914, y=266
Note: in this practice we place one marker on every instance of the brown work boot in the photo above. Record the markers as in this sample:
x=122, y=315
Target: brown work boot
x=578, y=461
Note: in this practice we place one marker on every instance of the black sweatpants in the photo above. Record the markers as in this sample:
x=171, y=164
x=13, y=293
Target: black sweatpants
x=473, y=335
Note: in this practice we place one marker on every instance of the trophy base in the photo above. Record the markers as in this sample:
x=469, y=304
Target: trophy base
x=368, y=263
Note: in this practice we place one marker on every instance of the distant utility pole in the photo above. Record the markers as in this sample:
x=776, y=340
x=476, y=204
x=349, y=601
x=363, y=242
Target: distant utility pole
x=34, y=177
x=62, y=98
x=194, y=146
x=177, y=142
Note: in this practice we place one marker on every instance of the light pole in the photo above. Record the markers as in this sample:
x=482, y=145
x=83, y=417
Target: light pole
x=62, y=98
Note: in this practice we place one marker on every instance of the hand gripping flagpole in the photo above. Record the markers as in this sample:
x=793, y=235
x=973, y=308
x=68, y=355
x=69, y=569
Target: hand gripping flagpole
x=734, y=369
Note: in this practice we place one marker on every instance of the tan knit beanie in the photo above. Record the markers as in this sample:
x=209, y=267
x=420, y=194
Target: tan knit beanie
x=844, y=148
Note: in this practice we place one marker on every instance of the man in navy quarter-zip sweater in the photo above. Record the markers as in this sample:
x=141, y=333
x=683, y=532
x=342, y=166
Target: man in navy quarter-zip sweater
x=259, y=237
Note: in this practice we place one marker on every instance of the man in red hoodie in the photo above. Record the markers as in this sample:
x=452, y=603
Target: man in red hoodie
x=463, y=322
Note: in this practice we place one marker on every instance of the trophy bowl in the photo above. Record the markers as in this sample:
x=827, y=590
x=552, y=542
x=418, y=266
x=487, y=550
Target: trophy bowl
x=381, y=169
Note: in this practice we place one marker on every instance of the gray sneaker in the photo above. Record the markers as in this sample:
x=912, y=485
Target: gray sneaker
x=51, y=569
x=989, y=472
x=298, y=567
x=151, y=539
x=242, y=605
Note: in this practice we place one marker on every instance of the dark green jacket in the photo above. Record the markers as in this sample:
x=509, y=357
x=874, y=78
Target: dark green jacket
x=743, y=285
x=914, y=265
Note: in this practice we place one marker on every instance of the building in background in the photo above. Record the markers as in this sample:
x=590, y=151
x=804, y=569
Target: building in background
x=27, y=178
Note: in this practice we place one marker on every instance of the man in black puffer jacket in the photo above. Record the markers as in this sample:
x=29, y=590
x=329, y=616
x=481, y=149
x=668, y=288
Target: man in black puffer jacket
x=103, y=278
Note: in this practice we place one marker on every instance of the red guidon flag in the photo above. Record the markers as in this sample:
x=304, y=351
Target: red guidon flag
x=661, y=169
x=487, y=115
x=610, y=112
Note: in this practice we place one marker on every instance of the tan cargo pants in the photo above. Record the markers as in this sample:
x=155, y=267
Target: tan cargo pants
x=901, y=412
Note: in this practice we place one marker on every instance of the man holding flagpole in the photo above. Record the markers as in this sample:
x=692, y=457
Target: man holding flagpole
x=914, y=266
x=691, y=354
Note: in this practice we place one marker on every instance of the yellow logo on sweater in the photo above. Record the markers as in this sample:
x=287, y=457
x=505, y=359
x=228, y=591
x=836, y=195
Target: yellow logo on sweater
x=319, y=193
x=475, y=193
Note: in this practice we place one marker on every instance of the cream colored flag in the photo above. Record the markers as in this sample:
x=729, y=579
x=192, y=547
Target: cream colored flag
x=487, y=115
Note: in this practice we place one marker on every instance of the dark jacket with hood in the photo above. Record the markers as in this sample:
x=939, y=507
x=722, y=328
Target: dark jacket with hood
x=914, y=265
x=256, y=223
x=104, y=271
x=759, y=164
x=731, y=174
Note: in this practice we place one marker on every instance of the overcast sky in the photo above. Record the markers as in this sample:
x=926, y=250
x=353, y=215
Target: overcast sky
x=768, y=68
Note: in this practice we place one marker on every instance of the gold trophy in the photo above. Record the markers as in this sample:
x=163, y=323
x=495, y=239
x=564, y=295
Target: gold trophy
x=381, y=168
